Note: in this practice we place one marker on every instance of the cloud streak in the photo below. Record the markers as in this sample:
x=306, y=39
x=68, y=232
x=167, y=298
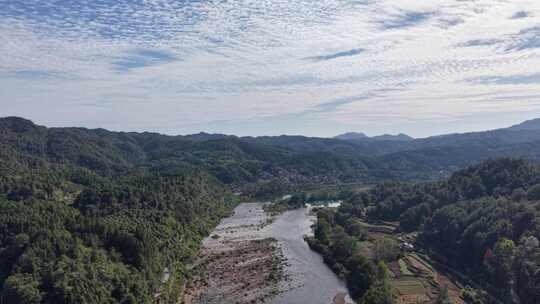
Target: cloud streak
x=348, y=53
x=508, y=80
x=406, y=19
x=520, y=14
x=142, y=58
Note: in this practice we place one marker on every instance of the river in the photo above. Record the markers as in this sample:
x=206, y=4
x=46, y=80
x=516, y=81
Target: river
x=236, y=262
x=318, y=283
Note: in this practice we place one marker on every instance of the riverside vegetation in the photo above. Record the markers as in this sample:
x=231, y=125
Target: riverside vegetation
x=483, y=224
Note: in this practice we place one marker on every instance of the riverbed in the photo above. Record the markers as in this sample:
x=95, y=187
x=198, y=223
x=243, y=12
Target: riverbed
x=272, y=262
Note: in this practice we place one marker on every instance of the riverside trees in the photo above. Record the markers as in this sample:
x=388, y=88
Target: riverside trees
x=477, y=220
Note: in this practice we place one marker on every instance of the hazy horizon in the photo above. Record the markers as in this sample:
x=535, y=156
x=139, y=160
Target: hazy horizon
x=272, y=134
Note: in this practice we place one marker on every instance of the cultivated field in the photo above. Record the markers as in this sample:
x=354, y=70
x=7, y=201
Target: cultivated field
x=414, y=277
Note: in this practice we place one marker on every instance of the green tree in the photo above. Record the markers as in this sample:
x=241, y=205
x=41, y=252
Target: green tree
x=443, y=297
x=355, y=228
x=360, y=276
x=474, y=296
x=322, y=231
x=501, y=264
x=343, y=245
x=527, y=268
x=380, y=291
x=386, y=249
x=533, y=193
x=21, y=289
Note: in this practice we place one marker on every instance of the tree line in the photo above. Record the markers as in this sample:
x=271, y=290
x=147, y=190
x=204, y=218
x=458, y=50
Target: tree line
x=483, y=220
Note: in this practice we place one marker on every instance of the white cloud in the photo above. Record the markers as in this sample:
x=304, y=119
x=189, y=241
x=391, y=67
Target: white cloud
x=245, y=60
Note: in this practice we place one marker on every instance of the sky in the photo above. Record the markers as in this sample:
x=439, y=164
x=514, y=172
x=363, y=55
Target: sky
x=271, y=67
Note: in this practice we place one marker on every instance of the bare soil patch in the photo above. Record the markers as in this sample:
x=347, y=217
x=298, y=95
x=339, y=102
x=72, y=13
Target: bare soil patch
x=237, y=264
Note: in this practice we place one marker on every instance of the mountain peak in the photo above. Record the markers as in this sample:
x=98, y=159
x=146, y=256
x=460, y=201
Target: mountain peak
x=17, y=124
x=203, y=136
x=384, y=137
x=533, y=124
x=351, y=136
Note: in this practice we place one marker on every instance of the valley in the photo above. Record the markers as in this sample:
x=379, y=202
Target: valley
x=121, y=217
x=269, y=152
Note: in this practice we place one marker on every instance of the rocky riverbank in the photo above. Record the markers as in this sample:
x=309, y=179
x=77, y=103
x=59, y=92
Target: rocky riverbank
x=238, y=263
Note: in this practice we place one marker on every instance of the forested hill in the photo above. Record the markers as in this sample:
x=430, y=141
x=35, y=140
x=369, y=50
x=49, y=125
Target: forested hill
x=483, y=221
x=102, y=240
x=81, y=223
x=231, y=159
x=262, y=164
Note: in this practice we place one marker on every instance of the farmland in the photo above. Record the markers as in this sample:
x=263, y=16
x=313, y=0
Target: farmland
x=414, y=278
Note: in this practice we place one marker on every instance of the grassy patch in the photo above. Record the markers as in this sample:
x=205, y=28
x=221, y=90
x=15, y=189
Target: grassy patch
x=403, y=268
x=408, y=286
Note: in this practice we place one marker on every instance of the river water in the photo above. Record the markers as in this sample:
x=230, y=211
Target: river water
x=318, y=284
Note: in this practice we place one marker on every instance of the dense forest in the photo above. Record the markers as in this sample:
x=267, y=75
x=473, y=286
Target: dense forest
x=75, y=237
x=483, y=221
x=78, y=224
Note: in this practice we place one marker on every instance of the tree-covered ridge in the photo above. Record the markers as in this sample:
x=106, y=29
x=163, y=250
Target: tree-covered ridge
x=484, y=221
x=80, y=223
x=412, y=203
x=260, y=164
x=232, y=160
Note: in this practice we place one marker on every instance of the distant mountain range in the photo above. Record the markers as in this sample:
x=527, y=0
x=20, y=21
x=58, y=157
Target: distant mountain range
x=384, y=137
x=529, y=125
x=242, y=161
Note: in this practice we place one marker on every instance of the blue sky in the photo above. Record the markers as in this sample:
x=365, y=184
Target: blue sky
x=271, y=67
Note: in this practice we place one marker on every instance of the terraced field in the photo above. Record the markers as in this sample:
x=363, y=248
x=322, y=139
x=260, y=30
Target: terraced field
x=410, y=290
x=414, y=278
